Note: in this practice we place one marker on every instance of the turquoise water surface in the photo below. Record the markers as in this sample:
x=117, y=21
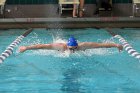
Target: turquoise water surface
x=91, y=71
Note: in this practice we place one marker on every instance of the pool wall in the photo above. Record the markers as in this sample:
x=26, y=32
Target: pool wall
x=47, y=16
x=51, y=10
x=100, y=22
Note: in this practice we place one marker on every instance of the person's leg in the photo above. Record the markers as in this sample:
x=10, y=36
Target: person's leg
x=81, y=8
x=98, y=5
x=106, y=4
x=74, y=14
x=106, y=1
x=75, y=8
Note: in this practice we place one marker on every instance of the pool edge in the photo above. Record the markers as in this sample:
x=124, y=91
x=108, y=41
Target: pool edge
x=100, y=22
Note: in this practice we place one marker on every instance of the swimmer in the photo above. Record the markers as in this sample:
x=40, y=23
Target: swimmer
x=71, y=45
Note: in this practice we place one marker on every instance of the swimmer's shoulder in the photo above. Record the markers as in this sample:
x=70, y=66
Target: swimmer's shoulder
x=59, y=44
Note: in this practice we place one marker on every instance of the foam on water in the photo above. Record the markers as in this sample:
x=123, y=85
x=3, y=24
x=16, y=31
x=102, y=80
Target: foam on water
x=99, y=51
x=89, y=52
x=63, y=54
x=59, y=40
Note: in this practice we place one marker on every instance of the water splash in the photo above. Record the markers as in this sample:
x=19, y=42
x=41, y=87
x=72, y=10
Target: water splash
x=32, y=40
x=59, y=40
x=65, y=54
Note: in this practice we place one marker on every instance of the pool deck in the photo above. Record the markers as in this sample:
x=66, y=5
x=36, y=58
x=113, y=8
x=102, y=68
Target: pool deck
x=69, y=22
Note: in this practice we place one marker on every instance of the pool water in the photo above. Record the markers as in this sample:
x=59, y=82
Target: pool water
x=91, y=71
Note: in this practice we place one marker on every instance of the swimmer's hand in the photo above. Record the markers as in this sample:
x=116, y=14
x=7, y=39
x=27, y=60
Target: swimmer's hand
x=22, y=49
x=120, y=47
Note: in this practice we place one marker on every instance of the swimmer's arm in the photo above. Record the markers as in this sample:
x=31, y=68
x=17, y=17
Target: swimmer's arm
x=38, y=46
x=90, y=45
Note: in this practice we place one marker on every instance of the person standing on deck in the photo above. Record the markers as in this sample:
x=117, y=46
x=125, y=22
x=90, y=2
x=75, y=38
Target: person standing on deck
x=81, y=8
x=102, y=4
x=75, y=9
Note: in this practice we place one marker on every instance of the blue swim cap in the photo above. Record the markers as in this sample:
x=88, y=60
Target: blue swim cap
x=72, y=41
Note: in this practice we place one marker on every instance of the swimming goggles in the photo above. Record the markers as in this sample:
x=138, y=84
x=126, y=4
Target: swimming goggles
x=73, y=49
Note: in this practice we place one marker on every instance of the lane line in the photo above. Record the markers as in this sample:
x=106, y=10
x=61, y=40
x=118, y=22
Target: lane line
x=10, y=48
x=130, y=50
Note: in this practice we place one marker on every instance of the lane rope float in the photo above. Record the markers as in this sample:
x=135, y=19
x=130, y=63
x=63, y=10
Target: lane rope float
x=10, y=48
x=126, y=45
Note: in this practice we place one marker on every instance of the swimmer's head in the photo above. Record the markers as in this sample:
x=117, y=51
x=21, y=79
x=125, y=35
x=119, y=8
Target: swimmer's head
x=72, y=41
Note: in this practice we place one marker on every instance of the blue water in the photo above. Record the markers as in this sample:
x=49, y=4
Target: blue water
x=90, y=71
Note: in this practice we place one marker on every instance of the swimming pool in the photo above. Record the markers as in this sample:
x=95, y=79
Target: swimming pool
x=91, y=71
